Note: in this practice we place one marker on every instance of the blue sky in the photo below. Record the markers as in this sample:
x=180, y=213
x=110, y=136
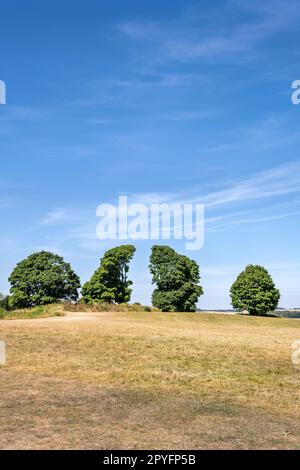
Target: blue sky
x=163, y=101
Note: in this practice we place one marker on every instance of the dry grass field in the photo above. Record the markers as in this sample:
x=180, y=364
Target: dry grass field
x=149, y=380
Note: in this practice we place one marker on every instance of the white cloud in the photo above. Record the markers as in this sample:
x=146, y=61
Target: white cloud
x=267, y=185
x=55, y=216
x=186, y=115
x=80, y=225
x=194, y=36
x=23, y=113
x=275, y=182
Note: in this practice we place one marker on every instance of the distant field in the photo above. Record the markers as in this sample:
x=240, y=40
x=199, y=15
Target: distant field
x=149, y=380
x=288, y=313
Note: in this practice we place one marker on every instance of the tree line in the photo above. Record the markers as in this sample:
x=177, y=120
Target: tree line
x=44, y=278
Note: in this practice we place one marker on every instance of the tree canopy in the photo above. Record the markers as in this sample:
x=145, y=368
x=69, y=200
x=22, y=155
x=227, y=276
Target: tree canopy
x=110, y=282
x=177, y=280
x=254, y=291
x=42, y=278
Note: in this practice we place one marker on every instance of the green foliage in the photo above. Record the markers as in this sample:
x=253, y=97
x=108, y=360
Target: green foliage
x=42, y=278
x=81, y=306
x=40, y=311
x=177, y=279
x=109, y=282
x=4, y=302
x=254, y=291
x=2, y=313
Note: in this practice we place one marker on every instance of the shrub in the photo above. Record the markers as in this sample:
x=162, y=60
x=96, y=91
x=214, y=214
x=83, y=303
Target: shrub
x=40, y=311
x=104, y=307
x=4, y=302
x=2, y=313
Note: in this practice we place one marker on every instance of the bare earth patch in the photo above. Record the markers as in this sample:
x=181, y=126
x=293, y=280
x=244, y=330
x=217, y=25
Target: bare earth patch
x=139, y=380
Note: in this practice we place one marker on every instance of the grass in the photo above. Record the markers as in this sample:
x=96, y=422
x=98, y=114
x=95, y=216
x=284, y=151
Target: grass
x=150, y=380
x=42, y=311
x=106, y=307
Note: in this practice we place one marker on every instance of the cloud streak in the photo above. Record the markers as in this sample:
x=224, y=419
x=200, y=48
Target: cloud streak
x=194, y=37
x=275, y=182
x=268, y=185
x=278, y=181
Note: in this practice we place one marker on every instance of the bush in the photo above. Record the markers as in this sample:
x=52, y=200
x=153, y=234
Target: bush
x=41, y=311
x=4, y=302
x=3, y=313
x=81, y=306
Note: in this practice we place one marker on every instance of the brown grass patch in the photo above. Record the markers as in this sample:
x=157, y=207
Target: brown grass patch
x=150, y=380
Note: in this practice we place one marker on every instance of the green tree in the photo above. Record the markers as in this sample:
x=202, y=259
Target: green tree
x=177, y=280
x=110, y=282
x=42, y=278
x=254, y=291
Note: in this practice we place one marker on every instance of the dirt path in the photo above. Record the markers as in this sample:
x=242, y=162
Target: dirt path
x=68, y=317
x=79, y=317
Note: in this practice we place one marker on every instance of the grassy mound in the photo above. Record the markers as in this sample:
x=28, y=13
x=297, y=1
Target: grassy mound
x=41, y=311
x=107, y=307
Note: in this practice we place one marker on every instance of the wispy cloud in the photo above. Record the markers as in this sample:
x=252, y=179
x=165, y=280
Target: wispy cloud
x=64, y=215
x=143, y=80
x=186, y=115
x=12, y=113
x=128, y=86
x=272, y=132
x=278, y=181
x=56, y=216
x=225, y=209
x=194, y=36
x=251, y=221
x=265, y=186
x=275, y=182
x=70, y=225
